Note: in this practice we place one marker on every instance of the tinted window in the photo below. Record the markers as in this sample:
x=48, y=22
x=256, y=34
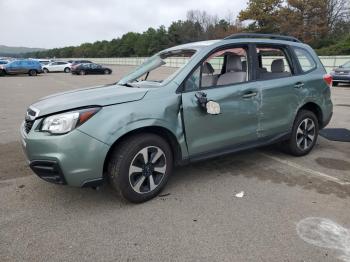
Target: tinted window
x=306, y=61
x=273, y=63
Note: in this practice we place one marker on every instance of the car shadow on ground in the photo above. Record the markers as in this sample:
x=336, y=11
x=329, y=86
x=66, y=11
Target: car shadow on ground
x=253, y=164
x=250, y=164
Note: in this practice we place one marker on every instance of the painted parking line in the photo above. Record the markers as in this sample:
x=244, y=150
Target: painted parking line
x=306, y=170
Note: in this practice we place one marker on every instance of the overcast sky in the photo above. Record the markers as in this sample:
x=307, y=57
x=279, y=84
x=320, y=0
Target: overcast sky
x=58, y=23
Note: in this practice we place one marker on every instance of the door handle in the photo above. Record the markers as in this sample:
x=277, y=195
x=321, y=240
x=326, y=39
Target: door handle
x=249, y=94
x=299, y=85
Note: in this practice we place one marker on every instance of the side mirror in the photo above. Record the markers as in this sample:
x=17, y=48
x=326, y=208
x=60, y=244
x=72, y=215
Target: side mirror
x=201, y=99
x=213, y=108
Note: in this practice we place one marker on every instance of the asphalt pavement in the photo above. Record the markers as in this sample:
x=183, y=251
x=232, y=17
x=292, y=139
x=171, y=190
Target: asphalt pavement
x=256, y=205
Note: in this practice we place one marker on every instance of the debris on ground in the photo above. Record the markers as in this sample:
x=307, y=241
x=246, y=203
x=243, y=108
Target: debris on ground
x=240, y=194
x=164, y=195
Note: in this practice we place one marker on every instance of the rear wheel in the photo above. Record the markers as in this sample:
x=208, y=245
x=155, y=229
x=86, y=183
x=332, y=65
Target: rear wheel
x=304, y=134
x=32, y=73
x=46, y=70
x=140, y=167
x=82, y=72
x=107, y=72
x=67, y=70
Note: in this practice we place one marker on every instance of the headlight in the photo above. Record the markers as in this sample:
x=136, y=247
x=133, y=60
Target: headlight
x=66, y=122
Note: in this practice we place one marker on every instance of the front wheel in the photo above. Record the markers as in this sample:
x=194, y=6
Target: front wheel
x=140, y=167
x=46, y=70
x=107, y=72
x=304, y=134
x=82, y=72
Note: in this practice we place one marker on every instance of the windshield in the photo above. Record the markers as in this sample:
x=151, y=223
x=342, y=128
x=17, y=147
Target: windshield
x=347, y=65
x=159, y=68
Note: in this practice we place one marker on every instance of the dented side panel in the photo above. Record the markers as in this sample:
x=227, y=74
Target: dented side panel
x=237, y=123
x=157, y=109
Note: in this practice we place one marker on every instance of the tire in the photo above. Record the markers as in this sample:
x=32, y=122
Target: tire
x=67, y=70
x=107, y=72
x=82, y=72
x=45, y=70
x=335, y=83
x=128, y=174
x=32, y=72
x=304, y=134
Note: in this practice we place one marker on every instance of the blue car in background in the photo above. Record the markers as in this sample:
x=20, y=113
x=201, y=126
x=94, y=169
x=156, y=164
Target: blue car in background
x=24, y=66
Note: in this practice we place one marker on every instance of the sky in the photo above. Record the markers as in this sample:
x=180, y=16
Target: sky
x=59, y=23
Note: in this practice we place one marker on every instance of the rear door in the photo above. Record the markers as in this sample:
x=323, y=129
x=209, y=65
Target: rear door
x=236, y=95
x=280, y=89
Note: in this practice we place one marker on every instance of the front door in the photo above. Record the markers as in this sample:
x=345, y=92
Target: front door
x=224, y=79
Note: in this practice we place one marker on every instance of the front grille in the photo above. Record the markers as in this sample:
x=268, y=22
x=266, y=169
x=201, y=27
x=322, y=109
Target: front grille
x=28, y=124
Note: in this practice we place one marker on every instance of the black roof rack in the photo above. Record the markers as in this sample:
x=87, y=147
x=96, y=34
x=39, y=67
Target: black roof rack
x=269, y=36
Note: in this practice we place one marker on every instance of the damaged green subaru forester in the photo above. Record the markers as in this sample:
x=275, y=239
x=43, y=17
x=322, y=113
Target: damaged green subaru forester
x=184, y=104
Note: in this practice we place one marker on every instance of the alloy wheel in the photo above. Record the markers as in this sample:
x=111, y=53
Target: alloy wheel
x=147, y=169
x=305, y=135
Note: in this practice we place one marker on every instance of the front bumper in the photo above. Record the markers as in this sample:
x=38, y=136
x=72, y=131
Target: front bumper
x=49, y=171
x=75, y=159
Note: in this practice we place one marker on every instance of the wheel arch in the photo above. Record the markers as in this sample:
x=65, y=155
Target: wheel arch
x=316, y=109
x=158, y=130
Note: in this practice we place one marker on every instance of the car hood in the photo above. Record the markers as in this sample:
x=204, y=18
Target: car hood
x=91, y=96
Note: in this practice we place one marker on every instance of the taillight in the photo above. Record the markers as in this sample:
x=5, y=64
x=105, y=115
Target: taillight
x=328, y=79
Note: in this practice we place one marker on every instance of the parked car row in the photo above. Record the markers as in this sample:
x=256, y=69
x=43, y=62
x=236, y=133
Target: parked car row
x=34, y=67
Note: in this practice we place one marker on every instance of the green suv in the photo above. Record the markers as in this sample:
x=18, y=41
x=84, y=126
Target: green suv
x=186, y=103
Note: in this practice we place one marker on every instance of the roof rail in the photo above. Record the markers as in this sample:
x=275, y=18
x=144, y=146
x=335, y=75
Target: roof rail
x=268, y=36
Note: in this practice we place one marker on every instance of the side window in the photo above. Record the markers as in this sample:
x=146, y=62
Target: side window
x=193, y=81
x=225, y=67
x=272, y=63
x=306, y=61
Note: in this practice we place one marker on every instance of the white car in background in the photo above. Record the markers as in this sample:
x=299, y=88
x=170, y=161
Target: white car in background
x=57, y=66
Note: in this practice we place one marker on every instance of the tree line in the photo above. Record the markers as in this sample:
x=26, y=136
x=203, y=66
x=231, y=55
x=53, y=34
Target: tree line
x=324, y=24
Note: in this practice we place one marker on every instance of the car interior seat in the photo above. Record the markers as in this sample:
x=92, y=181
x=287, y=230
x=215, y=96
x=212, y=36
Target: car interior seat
x=234, y=71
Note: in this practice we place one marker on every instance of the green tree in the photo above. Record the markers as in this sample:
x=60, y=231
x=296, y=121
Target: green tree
x=264, y=13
